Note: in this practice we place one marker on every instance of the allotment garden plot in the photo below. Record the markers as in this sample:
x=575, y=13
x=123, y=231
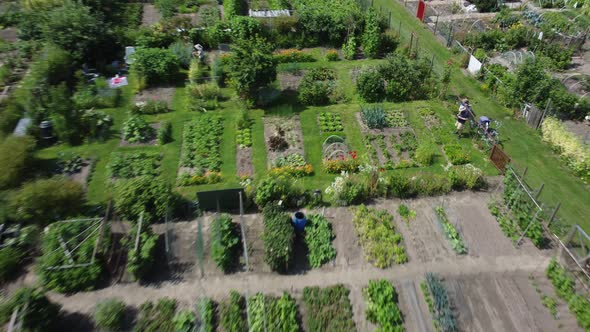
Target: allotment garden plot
x=284, y=146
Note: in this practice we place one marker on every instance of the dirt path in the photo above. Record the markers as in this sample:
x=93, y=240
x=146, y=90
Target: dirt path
x=150, y=16
x=218, y=286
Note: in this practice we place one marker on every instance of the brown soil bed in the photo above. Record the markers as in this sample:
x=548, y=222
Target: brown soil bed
x=290, y=81
x=83, y=175
x=293, y=136
x=244, y=161
x=151, y=15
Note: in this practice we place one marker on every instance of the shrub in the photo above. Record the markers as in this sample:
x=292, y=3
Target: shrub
x=157, y=316
x=400, y=186
x=40, y=313
x=16, y=158
x=318, y=238
x=316, y=86
x=232, y=8
x=456, y=154
x=155, y=64
x=349, y=48
x=332, y=55
x=274, y=189
x=278, y=237
x=374, y=116
x=183, y=53
x=46, y=200
x=142, y=194
x=225, y=242
x=165, y=133
x=110, y=314
x=370, y=86
x=137, y=130
x=431, y=185
x=10, y=261
x=346, y=190
x=252, y=67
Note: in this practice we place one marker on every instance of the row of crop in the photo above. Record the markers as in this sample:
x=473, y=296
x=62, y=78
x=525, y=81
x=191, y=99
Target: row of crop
x=450, y=231
x=519, y=208
x=375, y=117
x=376, y=231
x=130, y=165
x=382, y=308
x=328, y=309
x=439, y=305
x=565, y=287
x=201, y=151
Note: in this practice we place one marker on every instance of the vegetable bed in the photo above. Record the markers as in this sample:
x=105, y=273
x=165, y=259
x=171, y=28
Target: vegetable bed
x=450, y=231
x=318, y=238
x=439, y=304
x=382, y=306
x=130, y=165
x=328, y=309
x=269, y=313
x=381, y=243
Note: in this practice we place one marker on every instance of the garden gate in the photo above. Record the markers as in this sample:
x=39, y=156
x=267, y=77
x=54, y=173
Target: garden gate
x=499, y=158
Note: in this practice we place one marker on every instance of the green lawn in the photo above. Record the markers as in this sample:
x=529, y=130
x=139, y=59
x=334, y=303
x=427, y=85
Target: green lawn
x=522, y=143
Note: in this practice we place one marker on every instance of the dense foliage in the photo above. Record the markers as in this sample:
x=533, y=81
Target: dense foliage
x=146, y=194
x=10, y=261
x=137, y=130
x=382, y=306
x=328, y=309
x=142, y=261
x=273, y=189
x=376, y=232
x=278, y=237
x=317, y=87
x=16, y=159
x=399, y=79
x=374, y=116
x=46, y=200
x=232, y=313
x=130, y=165
x=155, y=65
x=156, y=317
x=40, y=313
x=225, y=242
x=318, y=238
x=110, y=314
x=251, y=67
x=72, y=279
x=268, y=313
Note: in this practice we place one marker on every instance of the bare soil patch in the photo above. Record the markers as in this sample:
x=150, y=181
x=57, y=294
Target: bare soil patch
x=292, y=134
x=83, y=175
x=156, y=94
x=413, y=306
x=8, y=34
x=579, y=128
x=290, y=81
x=151, y=15
x=244, y=161
x=499, y=303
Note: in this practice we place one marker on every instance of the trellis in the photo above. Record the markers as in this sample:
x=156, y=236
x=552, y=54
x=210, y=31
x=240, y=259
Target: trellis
x=334, y=147
x=96, y=225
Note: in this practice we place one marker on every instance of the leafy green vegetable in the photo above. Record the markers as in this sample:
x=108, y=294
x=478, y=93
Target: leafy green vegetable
x=318, y=238
x=450, y=231
x=329, y=309
x=382, y=306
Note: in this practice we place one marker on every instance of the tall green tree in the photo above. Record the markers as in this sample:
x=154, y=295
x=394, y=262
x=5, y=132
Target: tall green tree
x=252, y=67
x=372, y=34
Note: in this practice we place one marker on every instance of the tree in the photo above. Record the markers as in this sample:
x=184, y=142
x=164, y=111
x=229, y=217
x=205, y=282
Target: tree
x=40, y=313
x=370, y=86
x=74, y=28
x=46, y=200
x=155, y=64
x=142, y=194
x=252, y=67
x=109, y=315
x=16, y=159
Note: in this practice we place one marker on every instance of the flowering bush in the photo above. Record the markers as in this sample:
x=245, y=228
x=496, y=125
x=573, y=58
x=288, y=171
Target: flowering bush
x=293, y=55
x=575, y=153
x=209, y=177
x=332, y=55
x=466, y=177
x=345, y=190
x=342, y=164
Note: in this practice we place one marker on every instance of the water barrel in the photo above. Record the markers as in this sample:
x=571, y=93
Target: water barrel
x=46, y=129
x=299, y=221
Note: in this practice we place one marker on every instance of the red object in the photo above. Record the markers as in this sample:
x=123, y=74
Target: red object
x=421, y=10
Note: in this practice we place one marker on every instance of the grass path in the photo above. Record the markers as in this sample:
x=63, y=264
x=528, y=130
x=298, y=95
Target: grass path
x=522, y=143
